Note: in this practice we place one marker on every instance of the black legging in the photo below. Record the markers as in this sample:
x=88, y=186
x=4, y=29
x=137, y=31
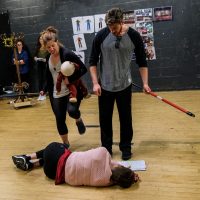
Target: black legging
x=41, y=74
x=60, y=107
x=50, y=157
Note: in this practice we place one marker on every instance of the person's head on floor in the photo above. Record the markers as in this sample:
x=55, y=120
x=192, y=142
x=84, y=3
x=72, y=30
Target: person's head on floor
x=123, y=176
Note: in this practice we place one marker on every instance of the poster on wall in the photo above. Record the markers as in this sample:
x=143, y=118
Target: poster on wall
x=162, y=13
x=88, y=24
x=129, y=18
x=83, y=24
x=144, y=28
x=140, y=19
x=79, y=41
x=77, y=25
x=144, y=15
x=149, y=47
x=99, y=21
x=150, y=52
x=144, y=25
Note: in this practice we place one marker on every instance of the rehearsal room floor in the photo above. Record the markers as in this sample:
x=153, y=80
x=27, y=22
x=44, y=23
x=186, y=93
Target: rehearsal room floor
x=166, y=138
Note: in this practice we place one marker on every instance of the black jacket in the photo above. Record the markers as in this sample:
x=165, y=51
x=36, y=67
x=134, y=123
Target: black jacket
x=65, y=55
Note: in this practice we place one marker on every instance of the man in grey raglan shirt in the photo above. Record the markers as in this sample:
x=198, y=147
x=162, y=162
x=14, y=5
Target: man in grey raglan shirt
x=114, y=46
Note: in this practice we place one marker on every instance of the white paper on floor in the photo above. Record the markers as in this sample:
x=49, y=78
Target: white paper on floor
x=135, y=165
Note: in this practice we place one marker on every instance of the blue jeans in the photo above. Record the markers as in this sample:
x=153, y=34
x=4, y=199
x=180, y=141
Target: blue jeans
x=106, y=106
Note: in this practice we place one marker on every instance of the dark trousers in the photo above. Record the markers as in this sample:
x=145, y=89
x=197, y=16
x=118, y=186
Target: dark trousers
x=106, y=106
x=60, y=107
x=50, y=157
x=41, y=74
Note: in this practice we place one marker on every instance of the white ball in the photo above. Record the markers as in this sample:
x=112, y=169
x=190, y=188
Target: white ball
x=67, y=68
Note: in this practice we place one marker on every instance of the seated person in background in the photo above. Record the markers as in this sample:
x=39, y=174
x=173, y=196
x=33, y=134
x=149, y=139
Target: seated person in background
x=67, y=69
x=91, y=168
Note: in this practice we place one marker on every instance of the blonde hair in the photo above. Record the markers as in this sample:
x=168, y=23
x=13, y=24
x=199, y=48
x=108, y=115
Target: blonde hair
x=50, y=34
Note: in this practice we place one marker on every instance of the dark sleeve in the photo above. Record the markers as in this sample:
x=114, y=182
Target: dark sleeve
x=48, y=83
x=95, y=52
x=25, y=57
x=71, y=56
x=96, y=46
x=139, y=47
x=13, y=56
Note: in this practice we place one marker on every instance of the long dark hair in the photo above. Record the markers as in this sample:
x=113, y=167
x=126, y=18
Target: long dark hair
x=38, y=46
x=122, y=176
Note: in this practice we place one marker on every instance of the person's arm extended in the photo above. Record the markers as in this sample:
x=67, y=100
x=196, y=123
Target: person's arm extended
x=144, y=76
x=96, y=86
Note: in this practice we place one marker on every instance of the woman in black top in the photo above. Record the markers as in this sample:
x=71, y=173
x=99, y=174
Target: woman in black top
x=60, y=102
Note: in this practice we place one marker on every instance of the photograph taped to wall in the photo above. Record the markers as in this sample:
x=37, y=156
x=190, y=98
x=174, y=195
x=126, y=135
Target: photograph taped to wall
x=144, y=15
x=144, y=28
x=150, y=53
x=129, y=18
x=99, y=21
x=148, y=40
x=146, y=31
x=162, y=13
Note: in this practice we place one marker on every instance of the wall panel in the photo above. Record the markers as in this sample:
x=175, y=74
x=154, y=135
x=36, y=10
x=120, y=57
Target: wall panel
x=176, y=42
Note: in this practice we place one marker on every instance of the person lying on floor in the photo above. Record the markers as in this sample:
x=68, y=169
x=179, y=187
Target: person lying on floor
x=90, y=168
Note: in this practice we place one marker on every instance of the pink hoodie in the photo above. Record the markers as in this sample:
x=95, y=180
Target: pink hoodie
x=91, y=168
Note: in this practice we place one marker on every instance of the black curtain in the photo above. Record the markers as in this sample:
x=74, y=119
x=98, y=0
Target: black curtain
x=7, y=71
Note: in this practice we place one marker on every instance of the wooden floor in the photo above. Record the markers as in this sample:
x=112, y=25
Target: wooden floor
x=166, y=138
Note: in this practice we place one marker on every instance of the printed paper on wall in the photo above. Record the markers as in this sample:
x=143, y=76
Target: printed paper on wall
x=88, y=24
x=144, y=15
x=79, y=41
x=77, y=24
x=129, y=18
x=99, y=22
x=162, y=13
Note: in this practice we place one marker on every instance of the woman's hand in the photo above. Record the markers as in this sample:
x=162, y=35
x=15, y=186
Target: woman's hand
x=21, y=62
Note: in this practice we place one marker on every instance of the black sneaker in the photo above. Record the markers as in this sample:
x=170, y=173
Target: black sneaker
x=126, y=155
x=81, y=127
x=66, y=145
x=22, y=162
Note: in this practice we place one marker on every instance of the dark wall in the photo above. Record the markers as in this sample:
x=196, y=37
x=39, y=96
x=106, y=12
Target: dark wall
x=176, y=42
x=6, y=69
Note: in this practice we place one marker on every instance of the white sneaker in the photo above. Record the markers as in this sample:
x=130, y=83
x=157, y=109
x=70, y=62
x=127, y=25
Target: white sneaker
x=42, y=97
